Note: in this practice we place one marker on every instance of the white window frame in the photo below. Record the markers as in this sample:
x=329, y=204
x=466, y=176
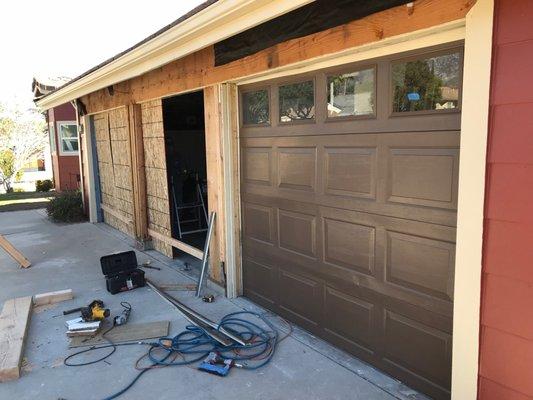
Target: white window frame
x=52, y=137
x=60, y=139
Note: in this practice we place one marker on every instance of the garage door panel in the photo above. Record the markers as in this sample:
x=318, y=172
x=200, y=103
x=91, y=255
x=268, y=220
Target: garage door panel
x=349, y=245
x=404, y=124
x=300, y=296
x=260, y=194
x=350, y=171
x=257, y=165
x=406, y=339
x=421, y=264
x=260, y=280
x=297, y=232
x=423, y=177
x=297, y=168
x=350, y=319
x=346, y=280
x=259, y=223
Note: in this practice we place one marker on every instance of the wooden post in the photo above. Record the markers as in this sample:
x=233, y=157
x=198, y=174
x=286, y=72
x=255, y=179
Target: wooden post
x=230, y=151
x=215, y=177
x=138, y=173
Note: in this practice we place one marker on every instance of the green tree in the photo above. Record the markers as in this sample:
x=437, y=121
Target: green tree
x=22, y=137
x=7, y=168
x=416, y=77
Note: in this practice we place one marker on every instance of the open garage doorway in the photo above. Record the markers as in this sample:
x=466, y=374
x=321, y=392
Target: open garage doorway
x=183, y=119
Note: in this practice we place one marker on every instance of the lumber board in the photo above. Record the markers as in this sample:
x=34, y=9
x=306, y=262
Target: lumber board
x=125, y=333
x=193, y=251
x=215, y=176
x=13, y=252
x=52, y=297
x=117, y=214
x=14, y=322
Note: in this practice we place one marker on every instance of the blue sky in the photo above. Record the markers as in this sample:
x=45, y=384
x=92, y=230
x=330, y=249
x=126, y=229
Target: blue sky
x=60, y=37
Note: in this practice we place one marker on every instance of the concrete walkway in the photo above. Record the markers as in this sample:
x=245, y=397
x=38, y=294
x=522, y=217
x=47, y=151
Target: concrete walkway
x=67, y=256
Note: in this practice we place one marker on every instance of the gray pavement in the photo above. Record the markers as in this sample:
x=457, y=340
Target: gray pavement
x=67, y=256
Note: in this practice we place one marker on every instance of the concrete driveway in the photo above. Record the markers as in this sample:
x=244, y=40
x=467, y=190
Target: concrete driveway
x=67, y=256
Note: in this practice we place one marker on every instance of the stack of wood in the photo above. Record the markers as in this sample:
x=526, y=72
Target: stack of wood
x=78, y=327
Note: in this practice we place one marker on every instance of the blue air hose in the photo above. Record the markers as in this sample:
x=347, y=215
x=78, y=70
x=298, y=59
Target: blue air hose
x=194, y=344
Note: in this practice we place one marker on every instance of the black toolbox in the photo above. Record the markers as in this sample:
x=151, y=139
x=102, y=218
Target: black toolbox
x=121, y=272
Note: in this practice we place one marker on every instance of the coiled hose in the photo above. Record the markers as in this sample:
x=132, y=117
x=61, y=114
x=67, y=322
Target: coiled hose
x=194, y=344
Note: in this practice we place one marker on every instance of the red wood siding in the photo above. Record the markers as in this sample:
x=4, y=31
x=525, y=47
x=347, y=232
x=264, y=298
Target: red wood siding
x=506, y=352
x=66, y=168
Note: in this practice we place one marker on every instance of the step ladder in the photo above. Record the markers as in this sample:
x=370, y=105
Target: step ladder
x=198, y=208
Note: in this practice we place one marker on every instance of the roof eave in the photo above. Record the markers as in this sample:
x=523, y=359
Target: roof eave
x=219, y=21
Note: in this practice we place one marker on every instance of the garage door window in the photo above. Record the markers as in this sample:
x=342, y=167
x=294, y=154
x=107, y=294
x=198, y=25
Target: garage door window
x=255, y=107
x=351, y=94
x=427, y=84
x=297, y=101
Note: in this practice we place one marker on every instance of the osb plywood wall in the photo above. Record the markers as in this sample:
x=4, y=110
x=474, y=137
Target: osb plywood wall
x=114, y=167
x=156, y=173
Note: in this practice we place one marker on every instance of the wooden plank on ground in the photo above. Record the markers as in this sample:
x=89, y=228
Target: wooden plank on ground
x=193, y=251
x=52, y=297
x=14, y=322
x=125, y=333
x=13, y=252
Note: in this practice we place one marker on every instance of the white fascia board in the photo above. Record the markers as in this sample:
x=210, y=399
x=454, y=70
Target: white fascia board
x=217, y=22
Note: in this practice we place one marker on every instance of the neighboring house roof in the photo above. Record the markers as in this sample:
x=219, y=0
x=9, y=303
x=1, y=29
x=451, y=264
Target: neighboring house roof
x=41, y=86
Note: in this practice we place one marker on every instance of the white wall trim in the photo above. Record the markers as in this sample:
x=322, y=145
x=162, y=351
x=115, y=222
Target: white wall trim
x=219, y=21
x=91, y=173
x=472, y=161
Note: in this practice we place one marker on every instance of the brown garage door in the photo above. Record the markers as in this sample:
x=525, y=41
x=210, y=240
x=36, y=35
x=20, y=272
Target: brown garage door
x=349, y=198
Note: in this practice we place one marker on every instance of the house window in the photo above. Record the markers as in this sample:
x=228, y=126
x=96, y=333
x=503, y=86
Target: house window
x=297, y=101
x=52, y=137
x=351, y=94
x=255, y=107
x=429, y=83
x=68, y=138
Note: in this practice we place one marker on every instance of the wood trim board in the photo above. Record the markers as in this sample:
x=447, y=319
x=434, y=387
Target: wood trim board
x=193, y=251
x=117, y=214
x=14, y=322
x=13, y=252
x=52, y=297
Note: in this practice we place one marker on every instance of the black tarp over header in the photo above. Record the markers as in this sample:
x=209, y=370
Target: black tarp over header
x=311, y=18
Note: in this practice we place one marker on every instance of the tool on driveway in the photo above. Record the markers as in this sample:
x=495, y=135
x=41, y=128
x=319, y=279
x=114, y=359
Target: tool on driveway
x=121, y=272
x=205, y=264
x=95, y=311
x=147, y=264
x=122, y=319
x=209, y=298
x=217, y=365
x=215, y=331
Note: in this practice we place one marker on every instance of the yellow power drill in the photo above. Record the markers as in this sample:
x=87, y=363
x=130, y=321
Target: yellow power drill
x=95, y=311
